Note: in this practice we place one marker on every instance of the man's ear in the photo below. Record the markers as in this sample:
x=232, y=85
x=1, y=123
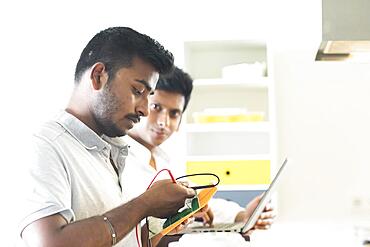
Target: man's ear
x=98, y=76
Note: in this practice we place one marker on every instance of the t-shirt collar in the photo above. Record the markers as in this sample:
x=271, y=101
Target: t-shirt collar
x=86, y=136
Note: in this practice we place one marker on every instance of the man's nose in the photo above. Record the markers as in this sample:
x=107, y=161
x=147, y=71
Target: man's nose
x=163, y=119
x=142, y=108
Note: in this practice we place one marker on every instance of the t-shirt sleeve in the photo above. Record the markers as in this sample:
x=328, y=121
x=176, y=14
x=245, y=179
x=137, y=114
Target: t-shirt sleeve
x=47, y=180
x=224, y=211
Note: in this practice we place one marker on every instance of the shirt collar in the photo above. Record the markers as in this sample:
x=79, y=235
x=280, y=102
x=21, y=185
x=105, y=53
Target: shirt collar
x=138, y=150
x=119, y=151
x=119, y=143
x=81, y=132
x=159, y=152
x=142, y=153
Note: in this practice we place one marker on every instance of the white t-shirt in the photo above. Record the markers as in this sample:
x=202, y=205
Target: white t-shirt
x=70, y=173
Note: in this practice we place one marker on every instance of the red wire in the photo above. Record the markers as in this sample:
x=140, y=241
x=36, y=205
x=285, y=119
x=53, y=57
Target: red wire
x=169, y=172
x=173, y=180
x=137, y=236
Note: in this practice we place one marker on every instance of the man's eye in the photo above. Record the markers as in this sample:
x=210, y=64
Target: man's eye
x=175, y=114
x=155, y=107
x=137, y=92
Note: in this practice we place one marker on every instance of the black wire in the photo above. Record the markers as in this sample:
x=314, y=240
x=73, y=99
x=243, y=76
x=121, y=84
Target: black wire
x=147, y=226
x=202, y=174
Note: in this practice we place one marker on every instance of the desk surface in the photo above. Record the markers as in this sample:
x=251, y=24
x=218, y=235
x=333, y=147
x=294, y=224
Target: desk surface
x=225, y=239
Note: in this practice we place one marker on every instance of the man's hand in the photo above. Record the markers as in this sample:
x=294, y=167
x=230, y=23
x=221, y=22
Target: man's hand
x=205, y=215
x=165, y=198
x=265, y=220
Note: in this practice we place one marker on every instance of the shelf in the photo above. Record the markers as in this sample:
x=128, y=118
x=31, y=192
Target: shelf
x=229, y=127
x=253, y=82
x=230, y=75
x=228, y=157
x=205, y=59
x=228, y=143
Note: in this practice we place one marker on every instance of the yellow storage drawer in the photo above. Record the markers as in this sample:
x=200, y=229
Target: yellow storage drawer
x=231, y=172
x=247, y=117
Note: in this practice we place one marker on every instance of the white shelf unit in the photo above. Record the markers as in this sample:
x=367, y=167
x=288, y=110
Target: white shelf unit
x=242, y=146
x=258, y=82
x=229, y=127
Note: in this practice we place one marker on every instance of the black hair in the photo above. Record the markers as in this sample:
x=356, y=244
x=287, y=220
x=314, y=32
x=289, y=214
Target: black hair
x=176, y=81
x=117, y=46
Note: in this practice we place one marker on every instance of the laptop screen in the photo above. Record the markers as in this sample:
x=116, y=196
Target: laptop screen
x=264, y=200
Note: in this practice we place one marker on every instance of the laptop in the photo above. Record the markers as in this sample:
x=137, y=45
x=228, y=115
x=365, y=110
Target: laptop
x=241, y=227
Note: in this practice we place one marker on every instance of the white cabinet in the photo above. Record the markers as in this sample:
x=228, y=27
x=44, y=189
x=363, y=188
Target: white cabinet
x=230, y=120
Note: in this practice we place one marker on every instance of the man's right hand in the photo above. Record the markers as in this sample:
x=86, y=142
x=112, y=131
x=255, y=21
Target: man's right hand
x=165, y=198
x=205, y=215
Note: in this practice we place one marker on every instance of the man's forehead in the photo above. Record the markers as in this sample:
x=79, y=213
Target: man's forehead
x=168, y=99
x=154, y=80
x=152, y=73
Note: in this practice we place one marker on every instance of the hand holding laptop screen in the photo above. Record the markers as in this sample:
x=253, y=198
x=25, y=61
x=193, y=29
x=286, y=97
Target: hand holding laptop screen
x=265, y=219
x=243, y=227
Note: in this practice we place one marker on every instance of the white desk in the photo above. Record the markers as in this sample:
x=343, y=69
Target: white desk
x=219, y=239
x=307, y=234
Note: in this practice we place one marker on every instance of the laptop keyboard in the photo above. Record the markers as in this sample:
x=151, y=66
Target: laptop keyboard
x=219, y=226
x=224, y=225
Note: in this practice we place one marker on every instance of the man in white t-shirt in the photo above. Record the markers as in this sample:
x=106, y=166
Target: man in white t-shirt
x=73, y=195
x=146, y=158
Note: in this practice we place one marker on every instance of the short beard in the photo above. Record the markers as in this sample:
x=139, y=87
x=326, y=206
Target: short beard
x=103, y=109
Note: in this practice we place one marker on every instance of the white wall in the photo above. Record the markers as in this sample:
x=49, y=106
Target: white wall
x=323, y=121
